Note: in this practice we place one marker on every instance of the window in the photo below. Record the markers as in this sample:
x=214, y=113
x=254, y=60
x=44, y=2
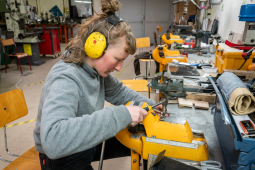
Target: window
x=80, y=8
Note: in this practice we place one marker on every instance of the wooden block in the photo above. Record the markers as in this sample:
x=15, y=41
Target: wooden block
x=207, y=97
x=172, y=101
x=247, y=74
x=190, y=103
x=184, y=103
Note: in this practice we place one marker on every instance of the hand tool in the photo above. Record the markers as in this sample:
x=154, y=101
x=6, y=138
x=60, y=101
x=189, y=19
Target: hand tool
x=149, y=108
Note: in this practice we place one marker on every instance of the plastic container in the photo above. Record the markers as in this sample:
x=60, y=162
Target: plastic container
x=230, y=58
x=209, y=69
x=247, y=13
x=186, y=54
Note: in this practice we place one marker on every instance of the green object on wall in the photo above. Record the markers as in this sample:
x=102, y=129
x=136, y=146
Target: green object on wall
x=2, y=6
x=2, y=56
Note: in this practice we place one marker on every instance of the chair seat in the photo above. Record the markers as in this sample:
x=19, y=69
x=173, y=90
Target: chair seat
x=147, y=60
x=162, y=43
x=19, y=55
x=136, y=85
x=27, y=161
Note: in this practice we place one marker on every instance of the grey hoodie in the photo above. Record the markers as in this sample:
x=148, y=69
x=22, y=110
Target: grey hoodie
x=71, y=117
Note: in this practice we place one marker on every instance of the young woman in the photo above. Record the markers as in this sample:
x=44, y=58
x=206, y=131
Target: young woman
x=72, y=122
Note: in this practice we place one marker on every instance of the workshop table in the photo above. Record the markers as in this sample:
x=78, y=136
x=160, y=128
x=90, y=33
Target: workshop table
x=48, y=25
x=63, y=28
x=200, y=119
x=66, y=32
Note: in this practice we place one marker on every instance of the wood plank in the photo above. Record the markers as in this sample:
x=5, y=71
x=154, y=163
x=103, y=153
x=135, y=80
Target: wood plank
x=189, y=103
x=247, y=74
x=172, y=101
x=207, y=97
x=27, y=161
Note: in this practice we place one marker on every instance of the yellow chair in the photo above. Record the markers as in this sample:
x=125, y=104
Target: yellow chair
x=141, y=43
x=13, y=107
x=159, y=28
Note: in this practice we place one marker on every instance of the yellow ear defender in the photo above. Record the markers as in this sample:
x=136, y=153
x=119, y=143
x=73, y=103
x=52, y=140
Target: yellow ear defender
x=96, y=43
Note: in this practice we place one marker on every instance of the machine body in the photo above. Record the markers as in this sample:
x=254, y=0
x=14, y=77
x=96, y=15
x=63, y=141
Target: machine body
x=154, y=135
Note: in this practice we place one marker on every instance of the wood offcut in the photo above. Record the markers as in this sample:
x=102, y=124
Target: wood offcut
x=190, y=103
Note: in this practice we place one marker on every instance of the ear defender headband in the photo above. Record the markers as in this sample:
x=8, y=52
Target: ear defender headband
x=96, y=43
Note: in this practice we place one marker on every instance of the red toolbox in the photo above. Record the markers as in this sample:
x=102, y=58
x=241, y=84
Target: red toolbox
x=192, y=43
x=51, y=43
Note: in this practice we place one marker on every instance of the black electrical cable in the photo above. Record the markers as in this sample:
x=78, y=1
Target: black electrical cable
x=10, y=12
x=242, y=65
x=14, y=19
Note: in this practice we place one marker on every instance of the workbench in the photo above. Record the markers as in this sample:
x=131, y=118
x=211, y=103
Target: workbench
x=199, y=119
x=63, y=28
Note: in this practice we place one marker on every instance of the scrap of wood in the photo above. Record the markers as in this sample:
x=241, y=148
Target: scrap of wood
x=206, y=97
x=247, y=74
x=151, y=160
x=190, y=103
x=172, y=101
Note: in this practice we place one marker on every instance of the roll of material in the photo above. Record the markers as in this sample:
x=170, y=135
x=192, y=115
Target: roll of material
x=240, y=99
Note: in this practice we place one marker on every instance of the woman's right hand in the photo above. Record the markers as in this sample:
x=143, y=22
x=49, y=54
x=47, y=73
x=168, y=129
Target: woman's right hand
x=137, y=114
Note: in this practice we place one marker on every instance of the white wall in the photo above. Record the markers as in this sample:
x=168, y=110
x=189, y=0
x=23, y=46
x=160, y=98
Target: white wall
x=46, y=5
x=97, y=5
x=228, y=16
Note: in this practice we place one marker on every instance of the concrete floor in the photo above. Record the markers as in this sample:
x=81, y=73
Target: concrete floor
x=20, y=138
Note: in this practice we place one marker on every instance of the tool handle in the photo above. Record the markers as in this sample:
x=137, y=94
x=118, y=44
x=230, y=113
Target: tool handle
x=177, y=2
x=148, y=108
x=214, y=164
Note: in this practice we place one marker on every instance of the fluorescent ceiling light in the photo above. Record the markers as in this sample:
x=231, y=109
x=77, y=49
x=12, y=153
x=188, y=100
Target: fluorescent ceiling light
x=88, y=2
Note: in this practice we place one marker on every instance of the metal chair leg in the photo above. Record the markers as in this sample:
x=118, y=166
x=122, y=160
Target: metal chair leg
x=29, y=63
x=5, y=160
x=101, y=156
x=20, y=66
x=6, y=148
x=17, y=63
x=5, y=59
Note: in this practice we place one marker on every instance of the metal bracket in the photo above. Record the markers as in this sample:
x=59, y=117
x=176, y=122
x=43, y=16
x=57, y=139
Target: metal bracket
x=174, y=143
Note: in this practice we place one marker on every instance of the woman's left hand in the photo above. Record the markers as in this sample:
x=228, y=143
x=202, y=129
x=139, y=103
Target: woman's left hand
x=160, y=108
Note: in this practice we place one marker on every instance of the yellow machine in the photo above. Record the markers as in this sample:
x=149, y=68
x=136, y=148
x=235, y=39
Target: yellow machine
x=158, y=133
x=163, y=56
x=170, y=38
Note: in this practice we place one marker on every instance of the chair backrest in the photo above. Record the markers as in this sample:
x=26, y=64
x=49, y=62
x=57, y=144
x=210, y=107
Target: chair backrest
x=7, y=42
x=143, y=42
x=155, y=38
x=159, y=28
x=13, y=106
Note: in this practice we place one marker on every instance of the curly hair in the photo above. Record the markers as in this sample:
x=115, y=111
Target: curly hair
x=76, y=45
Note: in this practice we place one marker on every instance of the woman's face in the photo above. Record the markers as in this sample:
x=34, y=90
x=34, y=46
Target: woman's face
x=112, y=59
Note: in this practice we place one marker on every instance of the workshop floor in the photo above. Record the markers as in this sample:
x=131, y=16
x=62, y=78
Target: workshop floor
x=20, y=138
